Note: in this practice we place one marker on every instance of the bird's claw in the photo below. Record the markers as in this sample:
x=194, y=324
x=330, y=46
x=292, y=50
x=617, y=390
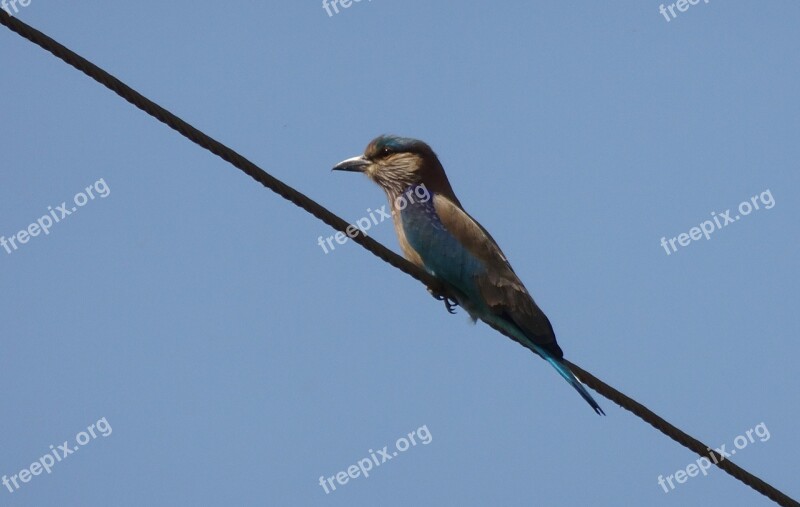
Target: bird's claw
x=449, y=303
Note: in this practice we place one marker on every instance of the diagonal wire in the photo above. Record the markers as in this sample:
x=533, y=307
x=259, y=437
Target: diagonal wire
x=311, y=206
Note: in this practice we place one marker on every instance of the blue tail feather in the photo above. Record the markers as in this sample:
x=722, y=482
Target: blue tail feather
x=570, y=377
x=555, y=362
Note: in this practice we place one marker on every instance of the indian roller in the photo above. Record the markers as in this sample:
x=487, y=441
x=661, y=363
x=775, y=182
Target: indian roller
x=436, y=234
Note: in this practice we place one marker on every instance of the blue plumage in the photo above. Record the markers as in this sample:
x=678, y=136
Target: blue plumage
x=427, y=235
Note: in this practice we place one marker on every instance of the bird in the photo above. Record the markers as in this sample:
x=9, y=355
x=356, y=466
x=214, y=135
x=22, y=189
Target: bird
x=436, y=234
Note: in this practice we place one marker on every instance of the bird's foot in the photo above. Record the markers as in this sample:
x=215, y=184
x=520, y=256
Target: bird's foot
x=449, y=303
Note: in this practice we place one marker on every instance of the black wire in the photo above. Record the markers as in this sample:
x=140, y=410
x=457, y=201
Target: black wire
x=301, y=200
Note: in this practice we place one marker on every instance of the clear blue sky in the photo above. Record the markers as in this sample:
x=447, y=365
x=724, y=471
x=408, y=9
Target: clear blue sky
x=235, y=362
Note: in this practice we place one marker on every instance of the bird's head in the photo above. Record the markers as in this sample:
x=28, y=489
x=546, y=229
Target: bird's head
x=396, y=163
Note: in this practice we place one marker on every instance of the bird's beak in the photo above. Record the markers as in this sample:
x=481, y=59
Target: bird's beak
x=355, y=164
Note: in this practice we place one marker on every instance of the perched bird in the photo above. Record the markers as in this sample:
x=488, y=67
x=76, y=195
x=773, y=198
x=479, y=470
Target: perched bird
x=436, y=234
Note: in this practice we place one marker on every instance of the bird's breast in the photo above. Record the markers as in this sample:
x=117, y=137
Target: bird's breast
x=440, y=252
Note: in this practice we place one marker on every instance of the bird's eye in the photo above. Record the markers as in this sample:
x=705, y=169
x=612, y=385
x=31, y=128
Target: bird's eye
x=387, y=151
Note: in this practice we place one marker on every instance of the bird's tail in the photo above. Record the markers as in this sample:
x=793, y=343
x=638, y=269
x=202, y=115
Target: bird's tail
x=556, y=363
x=570, y=377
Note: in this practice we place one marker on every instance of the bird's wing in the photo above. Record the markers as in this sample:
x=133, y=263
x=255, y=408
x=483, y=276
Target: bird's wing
x=500, y=287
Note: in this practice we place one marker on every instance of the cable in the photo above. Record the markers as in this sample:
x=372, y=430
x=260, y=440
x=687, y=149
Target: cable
x=681, y=437
x=301, y=200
